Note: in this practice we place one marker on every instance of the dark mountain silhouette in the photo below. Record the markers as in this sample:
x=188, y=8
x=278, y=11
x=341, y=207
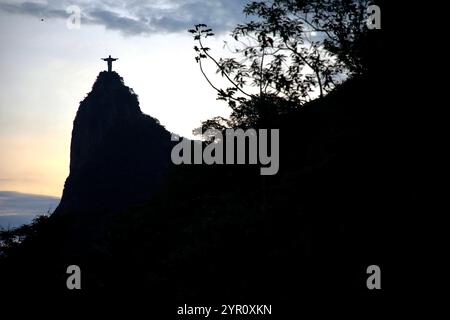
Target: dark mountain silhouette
x=225, y=233
x=199, y=234
x=118, y=154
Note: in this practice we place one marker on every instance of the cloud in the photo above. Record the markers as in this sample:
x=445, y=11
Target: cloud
x=140, y=17
x=113, y=21
x=16, y=204
x=16, y=180
x=38, y=9
x=20, y=208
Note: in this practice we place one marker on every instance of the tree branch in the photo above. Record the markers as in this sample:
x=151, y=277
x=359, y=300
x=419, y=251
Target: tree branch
x=224, y=73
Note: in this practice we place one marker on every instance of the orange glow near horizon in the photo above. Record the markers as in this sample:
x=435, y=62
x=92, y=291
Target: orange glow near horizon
x=34, y=164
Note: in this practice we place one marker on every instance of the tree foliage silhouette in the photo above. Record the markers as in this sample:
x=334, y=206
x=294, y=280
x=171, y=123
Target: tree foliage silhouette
x=293, y=50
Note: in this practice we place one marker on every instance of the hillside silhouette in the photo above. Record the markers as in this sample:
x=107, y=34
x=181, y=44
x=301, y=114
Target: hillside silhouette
x=142, y=228
x=217, y=232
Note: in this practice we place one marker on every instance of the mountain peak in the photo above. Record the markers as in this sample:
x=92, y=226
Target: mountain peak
x=110, y=95
x=117, y=152
x=109, y=103
x=108, y=80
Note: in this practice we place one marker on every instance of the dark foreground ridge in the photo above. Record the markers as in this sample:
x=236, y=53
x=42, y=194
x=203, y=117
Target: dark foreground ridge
x=214, y=234
x=118, y=154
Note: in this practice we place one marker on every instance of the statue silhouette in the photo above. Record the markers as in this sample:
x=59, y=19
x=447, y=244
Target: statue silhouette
x=110, y=61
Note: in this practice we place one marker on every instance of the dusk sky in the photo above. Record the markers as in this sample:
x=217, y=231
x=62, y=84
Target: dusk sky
x=47, y=68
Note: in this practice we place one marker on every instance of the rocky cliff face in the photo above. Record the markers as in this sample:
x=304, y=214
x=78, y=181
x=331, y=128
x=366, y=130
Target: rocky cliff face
x=118, y=154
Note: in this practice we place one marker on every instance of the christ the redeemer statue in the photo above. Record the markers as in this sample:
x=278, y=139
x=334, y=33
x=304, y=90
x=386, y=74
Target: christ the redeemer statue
x=110, y=61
